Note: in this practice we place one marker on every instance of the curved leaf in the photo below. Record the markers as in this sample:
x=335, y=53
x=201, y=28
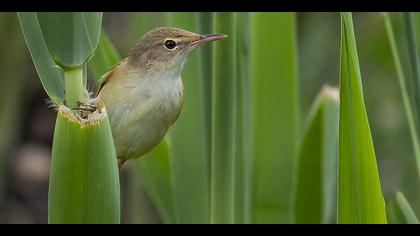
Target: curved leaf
x=49, y=73
x=316, y=163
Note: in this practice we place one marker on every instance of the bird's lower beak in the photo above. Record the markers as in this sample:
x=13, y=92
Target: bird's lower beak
x=208, y=38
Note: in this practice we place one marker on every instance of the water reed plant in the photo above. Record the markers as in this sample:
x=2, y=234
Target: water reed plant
x=238, y=152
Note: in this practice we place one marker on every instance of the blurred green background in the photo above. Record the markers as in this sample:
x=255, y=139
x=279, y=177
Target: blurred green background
x=26, y=122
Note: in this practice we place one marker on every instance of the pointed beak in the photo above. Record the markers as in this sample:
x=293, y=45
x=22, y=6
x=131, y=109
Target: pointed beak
x=208, y=38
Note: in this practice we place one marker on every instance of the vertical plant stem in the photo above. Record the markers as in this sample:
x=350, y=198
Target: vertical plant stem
x=243, y=152
x=414, y=59
x=223, y=120
x=75, y=90
x=205, y=24
x=275, y=114
x=404, y=92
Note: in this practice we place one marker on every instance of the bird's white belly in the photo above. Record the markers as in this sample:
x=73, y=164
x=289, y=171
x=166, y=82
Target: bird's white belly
x=139, y=126
x=137, y=137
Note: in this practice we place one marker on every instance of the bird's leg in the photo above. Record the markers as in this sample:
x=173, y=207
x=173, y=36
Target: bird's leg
x=84, y=109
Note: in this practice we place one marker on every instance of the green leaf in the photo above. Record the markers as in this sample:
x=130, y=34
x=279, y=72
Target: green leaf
x=360, y=198
x=404, y=92
x=71, y=37
x=49, y=73
x=243, y=114
x=187, y=150
x=68, y=39
x=275, y=114
x=414, y=58
x=136, y=205
x=75, y=86
x=205, y=26
x=105, y=57
x=316, y=164
x=399, y=211
x=84, y=180
x=223, y=120
x=155, y=168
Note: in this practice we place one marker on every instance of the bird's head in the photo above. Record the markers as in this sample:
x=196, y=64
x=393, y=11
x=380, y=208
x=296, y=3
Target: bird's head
x=167, y=48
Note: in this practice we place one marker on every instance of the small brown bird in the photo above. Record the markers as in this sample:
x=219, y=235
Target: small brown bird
x=143, y=93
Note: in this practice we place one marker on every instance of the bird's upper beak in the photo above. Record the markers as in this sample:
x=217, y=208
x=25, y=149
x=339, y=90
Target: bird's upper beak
x=208, y=38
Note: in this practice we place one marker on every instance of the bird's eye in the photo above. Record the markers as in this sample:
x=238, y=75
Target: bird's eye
x=170, y=44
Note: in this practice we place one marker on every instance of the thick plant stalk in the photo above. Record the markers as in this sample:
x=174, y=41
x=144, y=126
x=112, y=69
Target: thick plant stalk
x=74, y=87
x=84, y=180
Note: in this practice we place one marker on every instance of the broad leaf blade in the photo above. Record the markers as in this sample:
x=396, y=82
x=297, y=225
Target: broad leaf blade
x=71, y=37
x=360, y=198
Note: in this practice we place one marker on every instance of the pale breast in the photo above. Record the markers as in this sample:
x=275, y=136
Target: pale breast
x=139, y=124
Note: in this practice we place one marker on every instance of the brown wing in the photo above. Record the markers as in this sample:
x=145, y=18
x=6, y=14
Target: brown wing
x=181, y=97
x=108, y=76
